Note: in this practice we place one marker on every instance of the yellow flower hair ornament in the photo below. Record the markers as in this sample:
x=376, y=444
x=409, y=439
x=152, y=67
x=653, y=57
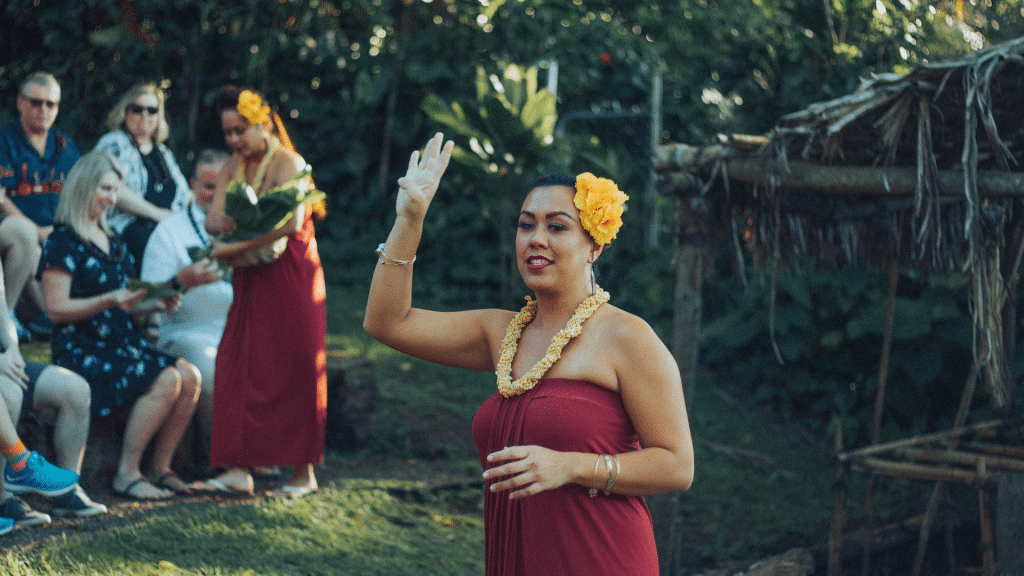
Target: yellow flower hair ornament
x=252, y=108
x=601, y=205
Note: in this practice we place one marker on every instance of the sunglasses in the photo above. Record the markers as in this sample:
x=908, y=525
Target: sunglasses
x=136, y=109
x=39, y=103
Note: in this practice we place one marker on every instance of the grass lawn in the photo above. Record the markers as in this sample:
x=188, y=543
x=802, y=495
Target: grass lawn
x=737, y=508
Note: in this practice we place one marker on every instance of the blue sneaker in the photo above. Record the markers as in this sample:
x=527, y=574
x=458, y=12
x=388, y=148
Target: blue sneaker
x=39, y=476
x=77, y=503
x=6, y=525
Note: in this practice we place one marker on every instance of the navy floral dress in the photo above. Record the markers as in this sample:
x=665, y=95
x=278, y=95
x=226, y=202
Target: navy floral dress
x=107, y=349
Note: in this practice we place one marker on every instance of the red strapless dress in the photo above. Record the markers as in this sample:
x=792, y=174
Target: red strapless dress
x=563, y=531
x=270, y=388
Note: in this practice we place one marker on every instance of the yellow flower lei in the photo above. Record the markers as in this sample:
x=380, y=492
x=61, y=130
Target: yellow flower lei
x=252, y=108
x=510, y=344
x=601, y=204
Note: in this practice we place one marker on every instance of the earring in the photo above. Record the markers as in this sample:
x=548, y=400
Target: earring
x=593, y=283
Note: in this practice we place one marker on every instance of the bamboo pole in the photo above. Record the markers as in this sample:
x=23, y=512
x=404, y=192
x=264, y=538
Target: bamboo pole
x=795, y=175
x=883, y=379
x=926, y=529
x=988, y=553
x=922, y=439
x=920, y=471
x=996, y=449
x=961, y=458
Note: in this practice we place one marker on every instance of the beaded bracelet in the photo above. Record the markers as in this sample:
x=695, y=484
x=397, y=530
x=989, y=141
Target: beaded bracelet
x=393, y=261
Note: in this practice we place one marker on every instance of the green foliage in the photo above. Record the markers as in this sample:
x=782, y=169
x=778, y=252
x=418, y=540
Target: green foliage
x=356, y=82
x=828, y=327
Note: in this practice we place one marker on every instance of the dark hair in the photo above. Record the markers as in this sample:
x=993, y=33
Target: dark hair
x=227, y=98
x=553, y=180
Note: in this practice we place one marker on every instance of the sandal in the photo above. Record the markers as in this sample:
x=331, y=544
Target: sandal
x=289, y=491
x=220, y=484
x=130, y=491
x=171, y=481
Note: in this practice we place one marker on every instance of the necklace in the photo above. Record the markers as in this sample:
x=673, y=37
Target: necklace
x=195, y=226
x=510, y=344
x=261, y=170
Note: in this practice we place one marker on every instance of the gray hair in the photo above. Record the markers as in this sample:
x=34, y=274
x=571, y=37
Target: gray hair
x=117, y=114
x=80, y=188
x=44, y=79
x=208, y=157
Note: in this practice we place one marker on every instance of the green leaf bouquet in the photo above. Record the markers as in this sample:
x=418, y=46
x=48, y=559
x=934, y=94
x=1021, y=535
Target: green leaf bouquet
x=257, y=215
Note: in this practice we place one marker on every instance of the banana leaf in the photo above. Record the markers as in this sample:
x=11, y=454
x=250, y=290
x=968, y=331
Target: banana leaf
x=256, y=215
x=157, y=291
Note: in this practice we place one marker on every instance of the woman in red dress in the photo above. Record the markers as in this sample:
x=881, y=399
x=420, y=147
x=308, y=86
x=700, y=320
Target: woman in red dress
x=270, y=389
x=594, y=419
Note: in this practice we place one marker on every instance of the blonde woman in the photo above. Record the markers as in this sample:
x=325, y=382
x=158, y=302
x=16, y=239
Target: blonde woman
x=156, y=187
x=84, y=269
x=589, y=414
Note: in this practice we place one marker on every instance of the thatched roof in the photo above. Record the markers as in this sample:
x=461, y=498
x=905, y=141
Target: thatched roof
x=925, y=170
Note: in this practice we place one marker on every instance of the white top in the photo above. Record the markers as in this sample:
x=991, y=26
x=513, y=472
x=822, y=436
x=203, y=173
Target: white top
x=128, y=156
x=204, y=309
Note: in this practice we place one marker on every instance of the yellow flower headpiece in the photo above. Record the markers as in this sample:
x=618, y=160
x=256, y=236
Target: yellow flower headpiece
x=601, y=204
x=252, y=108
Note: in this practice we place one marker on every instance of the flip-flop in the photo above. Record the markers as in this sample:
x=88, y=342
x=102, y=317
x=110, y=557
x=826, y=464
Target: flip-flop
x=165, y=482
x=218, y=486
x=129, y=491
x=289, y=491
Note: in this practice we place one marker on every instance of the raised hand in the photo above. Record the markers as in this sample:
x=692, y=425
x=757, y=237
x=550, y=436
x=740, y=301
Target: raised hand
x=417, y=188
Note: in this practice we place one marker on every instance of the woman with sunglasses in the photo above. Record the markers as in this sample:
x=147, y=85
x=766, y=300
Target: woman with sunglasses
x=156, y=186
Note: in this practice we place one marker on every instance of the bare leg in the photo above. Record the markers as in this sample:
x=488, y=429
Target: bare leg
x=302, y=476
x=19, y=244
x=147, y=416
x=69, y=393
x=180, y=415
x=11, y=395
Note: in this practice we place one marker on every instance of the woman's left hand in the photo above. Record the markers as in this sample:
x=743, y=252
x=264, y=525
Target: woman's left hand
x=170, y=304
x=527, y=470
x=223, y=251
x=220, y=223
x=198, y=273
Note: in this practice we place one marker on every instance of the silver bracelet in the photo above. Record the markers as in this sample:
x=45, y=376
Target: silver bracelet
x=616, y=458
x=608, y=486
x=593, y=491
x=385, y=259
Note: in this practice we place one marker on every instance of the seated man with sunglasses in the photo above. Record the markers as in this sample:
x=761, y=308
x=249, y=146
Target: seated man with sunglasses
x=34, y=160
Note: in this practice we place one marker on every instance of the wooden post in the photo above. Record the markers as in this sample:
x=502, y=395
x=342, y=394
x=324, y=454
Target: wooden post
x=835, y=538
x=690, y=257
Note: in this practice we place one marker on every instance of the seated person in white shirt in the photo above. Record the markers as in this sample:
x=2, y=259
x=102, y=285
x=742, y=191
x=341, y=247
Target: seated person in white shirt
x=193, y=331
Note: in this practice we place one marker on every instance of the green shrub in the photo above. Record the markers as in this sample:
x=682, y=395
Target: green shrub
x=828, y=329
